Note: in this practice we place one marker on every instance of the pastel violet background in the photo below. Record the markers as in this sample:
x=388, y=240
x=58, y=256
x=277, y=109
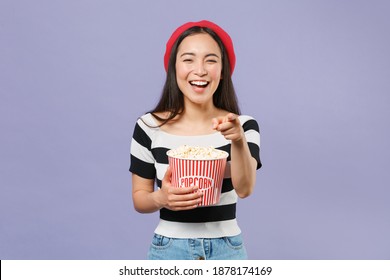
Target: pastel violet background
x=75, y=75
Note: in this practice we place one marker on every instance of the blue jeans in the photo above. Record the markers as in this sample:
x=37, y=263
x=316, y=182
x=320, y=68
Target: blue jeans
x=224, y=248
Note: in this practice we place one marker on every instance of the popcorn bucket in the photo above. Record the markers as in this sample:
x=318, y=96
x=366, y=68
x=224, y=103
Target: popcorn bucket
x=207, y=174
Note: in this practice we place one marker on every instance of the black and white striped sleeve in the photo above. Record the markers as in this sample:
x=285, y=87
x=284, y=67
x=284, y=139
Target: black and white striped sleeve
x=252, y=135
x=141, y=158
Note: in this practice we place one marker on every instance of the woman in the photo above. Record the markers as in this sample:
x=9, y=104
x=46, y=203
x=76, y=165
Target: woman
x=198, y=107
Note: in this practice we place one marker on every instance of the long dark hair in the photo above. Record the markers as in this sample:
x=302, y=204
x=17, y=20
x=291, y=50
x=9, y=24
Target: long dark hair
x=172, y=99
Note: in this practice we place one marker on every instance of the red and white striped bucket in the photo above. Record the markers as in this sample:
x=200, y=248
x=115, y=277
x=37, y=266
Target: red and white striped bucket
x=207, y=174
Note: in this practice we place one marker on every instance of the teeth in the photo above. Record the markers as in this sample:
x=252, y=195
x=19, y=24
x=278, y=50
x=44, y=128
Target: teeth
x=199, y=83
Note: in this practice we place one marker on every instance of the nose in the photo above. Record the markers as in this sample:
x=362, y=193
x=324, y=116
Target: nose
x=200, y=69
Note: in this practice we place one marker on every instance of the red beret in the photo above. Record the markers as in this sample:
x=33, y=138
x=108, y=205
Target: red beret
x=225, y=38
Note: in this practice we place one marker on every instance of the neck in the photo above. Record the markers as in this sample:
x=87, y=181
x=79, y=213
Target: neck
x=194, y=120
x=199, y=113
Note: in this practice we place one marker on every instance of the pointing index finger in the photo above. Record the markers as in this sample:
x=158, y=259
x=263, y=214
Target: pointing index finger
x=231, y=117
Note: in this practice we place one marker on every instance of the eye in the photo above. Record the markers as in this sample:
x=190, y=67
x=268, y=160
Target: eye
x=187, y=60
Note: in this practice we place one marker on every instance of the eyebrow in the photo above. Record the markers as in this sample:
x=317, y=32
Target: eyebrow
x=193, y=54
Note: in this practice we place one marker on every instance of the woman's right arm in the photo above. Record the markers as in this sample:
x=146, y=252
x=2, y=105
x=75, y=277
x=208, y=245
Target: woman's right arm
x=146, y=200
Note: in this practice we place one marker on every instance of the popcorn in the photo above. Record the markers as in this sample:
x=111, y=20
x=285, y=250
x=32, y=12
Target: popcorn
x=203, y=167
x=197, y=152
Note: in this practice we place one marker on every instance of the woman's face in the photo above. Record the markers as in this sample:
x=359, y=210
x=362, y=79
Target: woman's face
x=198, y=68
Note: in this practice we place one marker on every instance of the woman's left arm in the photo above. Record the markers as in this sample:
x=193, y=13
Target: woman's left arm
x=243, y=165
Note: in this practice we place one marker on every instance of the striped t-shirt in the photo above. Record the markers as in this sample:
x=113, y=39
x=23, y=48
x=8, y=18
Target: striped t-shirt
x=149, y=160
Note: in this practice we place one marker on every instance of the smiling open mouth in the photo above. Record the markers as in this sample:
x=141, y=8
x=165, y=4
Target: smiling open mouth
x=202, y=84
